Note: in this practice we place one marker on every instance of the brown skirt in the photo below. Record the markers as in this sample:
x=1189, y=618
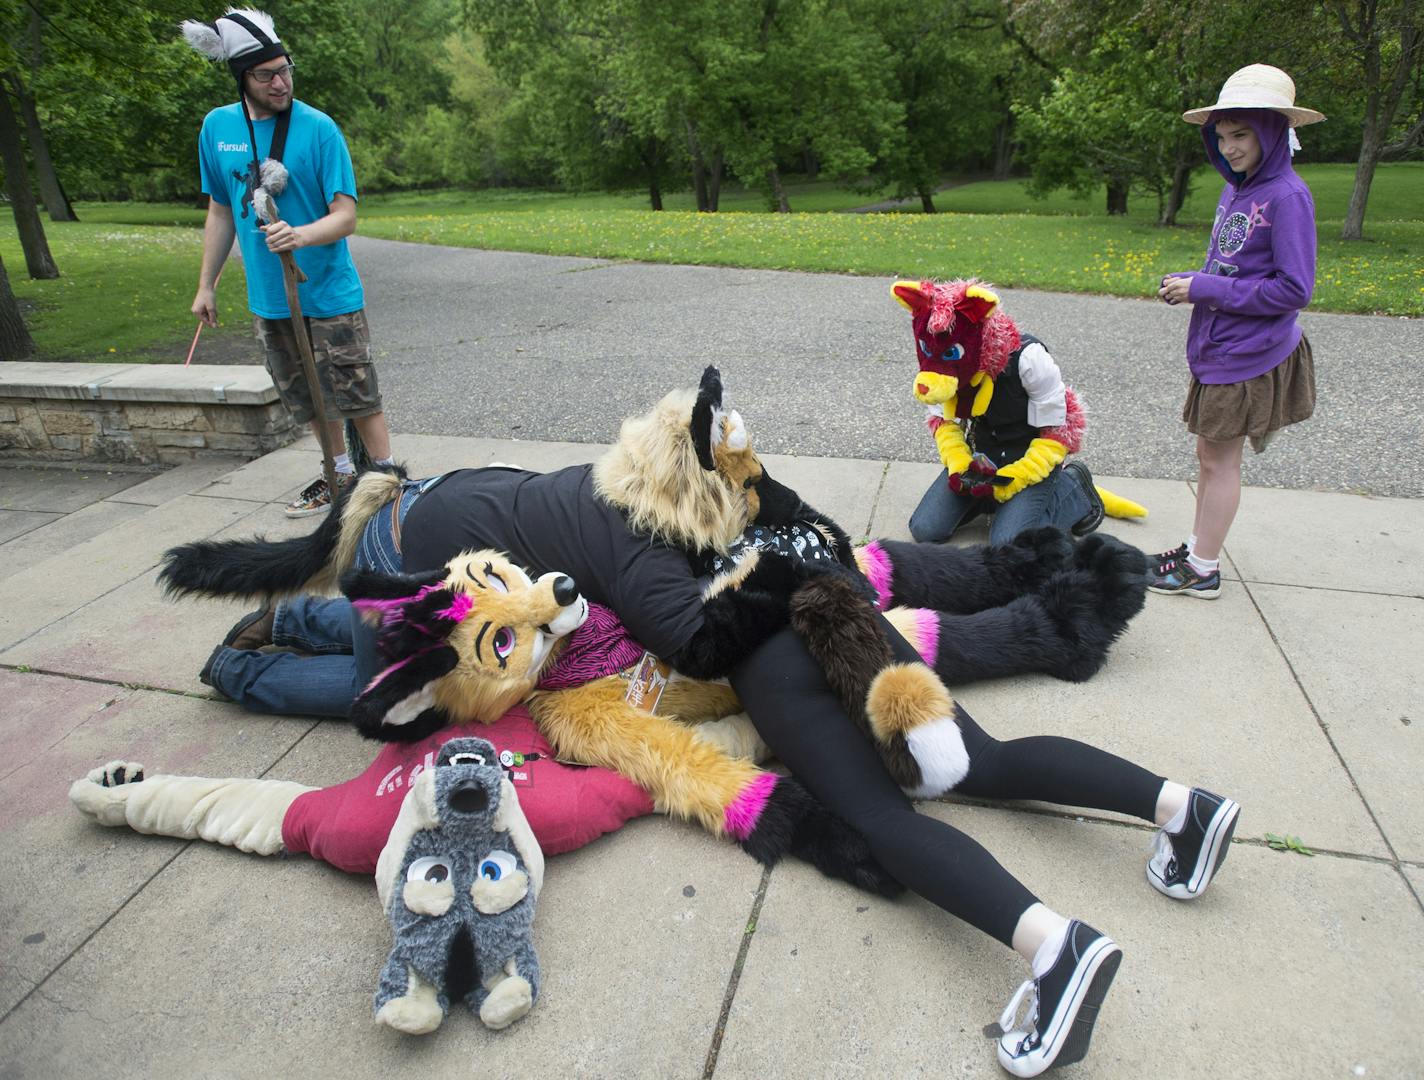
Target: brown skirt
x=1257, y=407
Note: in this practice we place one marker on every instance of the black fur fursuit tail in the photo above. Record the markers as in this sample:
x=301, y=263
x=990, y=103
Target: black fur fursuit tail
x=252, y=568
x=793, y=822
x=967, y=579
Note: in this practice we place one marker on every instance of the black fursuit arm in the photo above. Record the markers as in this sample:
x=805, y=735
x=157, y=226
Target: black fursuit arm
x=738, y=621
x=256, y=567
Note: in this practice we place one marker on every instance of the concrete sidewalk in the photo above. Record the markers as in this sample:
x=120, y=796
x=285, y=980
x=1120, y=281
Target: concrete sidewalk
x=667, y=954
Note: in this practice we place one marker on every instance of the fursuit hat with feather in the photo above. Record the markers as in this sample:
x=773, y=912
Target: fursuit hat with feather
x=241, y=38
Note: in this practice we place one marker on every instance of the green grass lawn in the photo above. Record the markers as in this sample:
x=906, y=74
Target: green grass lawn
x=129, y=275
x=124, y=295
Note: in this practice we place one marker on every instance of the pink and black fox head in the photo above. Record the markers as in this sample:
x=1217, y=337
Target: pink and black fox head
x=460, y=645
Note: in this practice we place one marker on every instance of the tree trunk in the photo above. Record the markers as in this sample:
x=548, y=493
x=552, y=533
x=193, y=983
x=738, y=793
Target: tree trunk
x=15, y=340
x=51, y=190
x=1354, y=228
x=778, y=192
x=1117, y=197
x=699, y=170
x=810, y=164
x=1003, y=148
x=1181, y=186
x=926, y=195
x=714, y=183
x=651, y=154
x=38, y=260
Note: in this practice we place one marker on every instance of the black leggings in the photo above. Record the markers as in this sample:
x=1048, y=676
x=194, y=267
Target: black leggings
x=802, y=721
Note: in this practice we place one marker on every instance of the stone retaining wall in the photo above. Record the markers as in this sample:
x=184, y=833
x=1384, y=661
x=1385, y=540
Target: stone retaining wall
x=148, y=414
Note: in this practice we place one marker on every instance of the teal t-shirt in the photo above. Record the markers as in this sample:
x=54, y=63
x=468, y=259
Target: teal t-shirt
x=318, y=166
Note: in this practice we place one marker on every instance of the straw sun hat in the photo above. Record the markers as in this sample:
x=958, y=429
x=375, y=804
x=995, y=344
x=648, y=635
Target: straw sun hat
x=1257, y=86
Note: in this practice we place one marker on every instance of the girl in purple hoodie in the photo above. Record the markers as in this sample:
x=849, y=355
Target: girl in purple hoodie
x=1252, y=372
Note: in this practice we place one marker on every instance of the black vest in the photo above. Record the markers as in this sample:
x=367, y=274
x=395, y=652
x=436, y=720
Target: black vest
x=1003, y=432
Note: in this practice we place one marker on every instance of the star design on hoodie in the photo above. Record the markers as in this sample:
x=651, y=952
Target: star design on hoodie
x=1258, y=215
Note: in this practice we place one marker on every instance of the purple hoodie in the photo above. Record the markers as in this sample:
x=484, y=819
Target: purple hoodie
x=1260, y=264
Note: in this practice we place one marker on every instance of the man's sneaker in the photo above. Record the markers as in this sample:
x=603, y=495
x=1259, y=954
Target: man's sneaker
x=1179, y=577
x=1094, y=517
x=1064, y=1007
x=1184, y=862
x=1165, y=560
x=316, y=496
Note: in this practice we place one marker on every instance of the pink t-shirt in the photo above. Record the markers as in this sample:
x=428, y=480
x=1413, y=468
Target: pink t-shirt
x=567, y=805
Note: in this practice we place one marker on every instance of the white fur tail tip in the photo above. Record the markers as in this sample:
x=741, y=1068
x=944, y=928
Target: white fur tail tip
x=938, y=749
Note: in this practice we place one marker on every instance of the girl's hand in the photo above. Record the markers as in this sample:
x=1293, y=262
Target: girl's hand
x=1176, y=290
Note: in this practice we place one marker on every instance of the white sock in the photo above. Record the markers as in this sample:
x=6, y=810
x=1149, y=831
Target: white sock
x=1172, y=806
x=1048, y=952
x=343, y=464
x=1204, y=567
x=384, y=461
x=1191, y=543
x=1038, y=928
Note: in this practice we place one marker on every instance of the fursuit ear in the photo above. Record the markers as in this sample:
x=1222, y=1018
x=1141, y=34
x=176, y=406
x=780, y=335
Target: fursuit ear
x=979, y=303
x=911, y=295
x=399, y=704
x=374, y=585
x=706, y=413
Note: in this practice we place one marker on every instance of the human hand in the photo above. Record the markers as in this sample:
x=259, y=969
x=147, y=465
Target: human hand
x=283, y=237
x=205, y=307
x=1176, y=289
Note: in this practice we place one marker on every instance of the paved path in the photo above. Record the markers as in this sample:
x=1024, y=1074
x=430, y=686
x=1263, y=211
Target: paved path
x=666, y=954
x=503, y=345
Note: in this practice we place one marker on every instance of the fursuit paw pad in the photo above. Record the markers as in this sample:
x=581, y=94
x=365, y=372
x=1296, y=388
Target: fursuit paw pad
x=509, y=1001
x=913, y=716
x=418, y=1013
x=104, y=792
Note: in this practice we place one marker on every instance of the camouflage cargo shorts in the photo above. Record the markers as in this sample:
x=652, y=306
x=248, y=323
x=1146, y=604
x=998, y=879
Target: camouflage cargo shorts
x=341, y=346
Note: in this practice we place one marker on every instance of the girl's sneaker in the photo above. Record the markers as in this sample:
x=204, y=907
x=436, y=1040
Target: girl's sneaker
x=1065, y=1004
x=1179, y=577
x=1184, y=862
x=1165, y=560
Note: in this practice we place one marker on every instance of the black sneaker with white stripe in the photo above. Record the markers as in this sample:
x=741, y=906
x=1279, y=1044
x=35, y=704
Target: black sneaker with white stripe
x=1065, y=1002
x=1184, y=862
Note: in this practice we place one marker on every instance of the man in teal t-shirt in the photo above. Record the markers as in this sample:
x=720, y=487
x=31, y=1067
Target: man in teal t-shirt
x=318, y=209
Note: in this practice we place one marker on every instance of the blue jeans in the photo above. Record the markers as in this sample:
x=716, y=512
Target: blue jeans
x=321, y=684
x=1055, y=500
x=342, y=647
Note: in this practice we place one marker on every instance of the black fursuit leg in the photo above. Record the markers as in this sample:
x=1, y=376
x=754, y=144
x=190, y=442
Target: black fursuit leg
x=1064, y=629
x=962, y=580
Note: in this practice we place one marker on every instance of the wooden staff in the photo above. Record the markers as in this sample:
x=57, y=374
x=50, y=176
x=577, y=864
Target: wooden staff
x=292, y=276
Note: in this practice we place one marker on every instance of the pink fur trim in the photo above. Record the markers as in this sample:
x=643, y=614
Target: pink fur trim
x=743, y=813
x=1001, y=338
x=1070, y=434
x=458, y=609
x=925, y=631
x=875, y=564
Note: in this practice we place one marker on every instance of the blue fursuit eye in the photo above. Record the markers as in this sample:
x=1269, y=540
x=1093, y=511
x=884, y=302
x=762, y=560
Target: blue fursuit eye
x=954, y=352
x=496, y=865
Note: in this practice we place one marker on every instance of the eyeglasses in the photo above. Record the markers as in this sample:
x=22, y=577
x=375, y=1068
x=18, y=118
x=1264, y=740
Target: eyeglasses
x=266, y=75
